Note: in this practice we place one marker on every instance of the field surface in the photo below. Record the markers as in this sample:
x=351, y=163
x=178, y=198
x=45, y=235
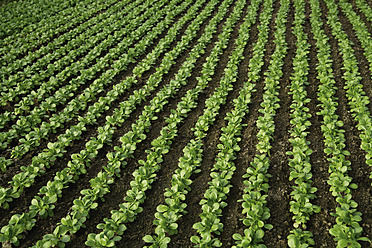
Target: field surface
x=186, y=123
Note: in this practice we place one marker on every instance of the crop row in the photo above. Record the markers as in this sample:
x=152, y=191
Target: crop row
x=53, y=189
x=24, y=125
x=90, y=80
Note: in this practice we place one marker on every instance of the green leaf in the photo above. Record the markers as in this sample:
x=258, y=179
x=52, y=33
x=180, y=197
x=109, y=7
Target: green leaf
x=268, y=226
x=292, y=241
x=364, y=239
x=162, y=208
x=148, y=239
x=195, y=239
x=65, y=238
x=237, y=236
x=353, y=186
x=343, y=243
x=259, y=234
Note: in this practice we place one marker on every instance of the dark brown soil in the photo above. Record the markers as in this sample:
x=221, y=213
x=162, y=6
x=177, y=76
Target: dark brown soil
x=361, y=15
x=319, y=223
x=20, y=56
x=363, y=65
x=359, y=168
x=280, y=186
x=279, y=192
x=232, y=213
x=26, y=160
x=200, y=180
x=11, y=106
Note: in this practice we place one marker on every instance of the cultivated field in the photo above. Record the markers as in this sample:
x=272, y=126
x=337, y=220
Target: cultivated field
x=186, y=123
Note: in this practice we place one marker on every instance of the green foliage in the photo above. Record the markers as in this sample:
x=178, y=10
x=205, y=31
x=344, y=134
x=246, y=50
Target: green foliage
x=347, y=230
